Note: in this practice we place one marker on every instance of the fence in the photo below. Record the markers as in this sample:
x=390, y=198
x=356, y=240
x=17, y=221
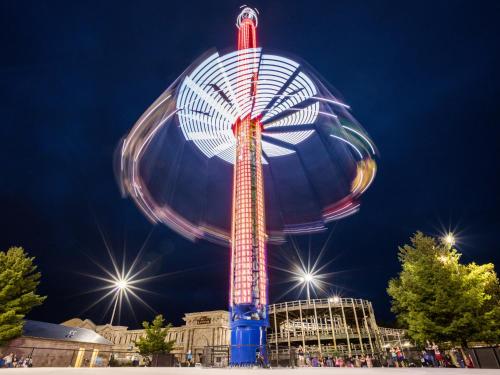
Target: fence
x=219, y=356
x=486, y=357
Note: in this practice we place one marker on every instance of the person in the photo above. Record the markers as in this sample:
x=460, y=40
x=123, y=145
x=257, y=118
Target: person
x=189, y=357
x=329, y=362
x=458, y=357
x=369, y=362
x=394, y=358
x=349, y=362
x=363, y=361
x=315, y=362
x=260, y=359
x=431, y=354
x=437, y=355
x=357, y=362
x=322, y=361
x=423, y=358
x=7, y=360
x=400, y=357
x=468, y=361
x=301, y=356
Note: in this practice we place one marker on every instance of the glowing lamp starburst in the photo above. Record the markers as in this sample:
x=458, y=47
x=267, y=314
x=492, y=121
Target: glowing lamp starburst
x=334, y=299
x=449, y=239
x=308, y=278
x=308, y=273
x=122, y=284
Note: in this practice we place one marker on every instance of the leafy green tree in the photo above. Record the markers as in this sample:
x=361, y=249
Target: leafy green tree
x=19, y=279
x=439, y=299
x=154, y=341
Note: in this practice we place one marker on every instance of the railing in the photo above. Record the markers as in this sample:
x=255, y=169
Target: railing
x=321, y=302
x=339, y=334
x=391, y=331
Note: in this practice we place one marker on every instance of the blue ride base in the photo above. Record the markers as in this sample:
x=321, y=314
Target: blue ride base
x=248, y=338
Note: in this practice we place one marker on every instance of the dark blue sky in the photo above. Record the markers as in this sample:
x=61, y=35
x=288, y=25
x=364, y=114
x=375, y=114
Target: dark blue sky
x=421, y=77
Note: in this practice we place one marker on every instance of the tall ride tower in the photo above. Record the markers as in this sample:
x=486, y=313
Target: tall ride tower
x=248, y=282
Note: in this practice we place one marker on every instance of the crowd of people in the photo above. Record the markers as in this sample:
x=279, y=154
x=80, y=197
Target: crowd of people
x=430, y=356
x=11, y=360
x=305, y=359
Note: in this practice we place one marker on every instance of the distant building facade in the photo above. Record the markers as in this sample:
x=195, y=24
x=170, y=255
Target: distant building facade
x=201, y=329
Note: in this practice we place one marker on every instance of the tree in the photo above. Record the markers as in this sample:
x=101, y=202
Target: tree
x=19, y=279
x=439, y=299
x=154, y=342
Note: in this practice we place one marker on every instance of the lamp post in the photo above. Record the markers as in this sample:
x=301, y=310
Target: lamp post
x=121, y=286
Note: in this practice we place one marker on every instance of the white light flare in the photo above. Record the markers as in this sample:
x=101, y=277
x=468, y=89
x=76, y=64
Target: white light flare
x=121, y=282
x=449, y=239
x=309, y=274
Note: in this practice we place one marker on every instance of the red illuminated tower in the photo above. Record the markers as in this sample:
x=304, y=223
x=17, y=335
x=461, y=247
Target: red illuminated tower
x=248, y=282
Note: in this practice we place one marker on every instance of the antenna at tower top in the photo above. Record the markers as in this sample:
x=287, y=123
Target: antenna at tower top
x=249, y=13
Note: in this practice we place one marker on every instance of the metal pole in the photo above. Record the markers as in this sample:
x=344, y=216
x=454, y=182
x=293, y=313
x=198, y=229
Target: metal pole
x=288, y=327
x=317, y=327
x=366, y=325
x=357, y=327
x=114, y=310
x=276, y=335
x=345, y=327
x=332, y=325
x=374, y=324
x=302, y=327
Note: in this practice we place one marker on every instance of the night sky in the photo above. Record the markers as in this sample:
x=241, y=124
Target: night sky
x=421, y=77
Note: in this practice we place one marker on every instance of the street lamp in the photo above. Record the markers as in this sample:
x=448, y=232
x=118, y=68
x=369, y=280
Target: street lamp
x=307, y=279
x=334, y=299
x=449, y=239
x=121, y=284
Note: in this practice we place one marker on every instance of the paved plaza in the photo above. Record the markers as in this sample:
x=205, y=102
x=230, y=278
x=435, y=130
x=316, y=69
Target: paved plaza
x=213, y=371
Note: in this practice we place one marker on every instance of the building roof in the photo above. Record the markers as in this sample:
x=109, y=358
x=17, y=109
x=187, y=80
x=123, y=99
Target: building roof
x=77, y=322
x=52, y=331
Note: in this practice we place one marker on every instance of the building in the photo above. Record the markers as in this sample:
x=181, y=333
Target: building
x=54, y=345
x=201, y=329
x=329, y=326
